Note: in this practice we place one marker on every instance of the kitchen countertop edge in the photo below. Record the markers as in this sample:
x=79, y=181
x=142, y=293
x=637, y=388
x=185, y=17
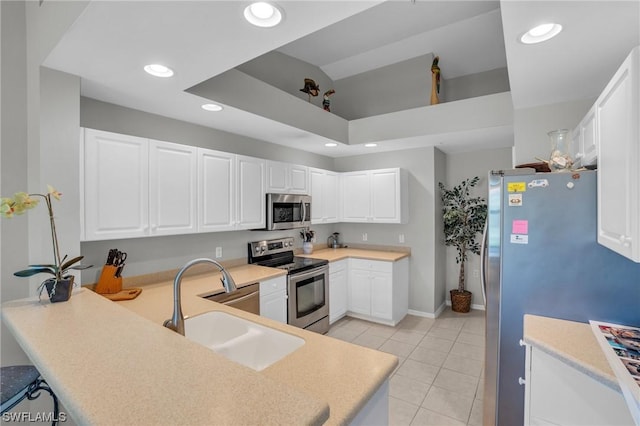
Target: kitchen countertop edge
x=571, y=342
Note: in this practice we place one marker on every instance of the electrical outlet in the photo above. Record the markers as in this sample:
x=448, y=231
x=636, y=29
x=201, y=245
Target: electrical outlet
x=401, y=238
x=218, y=252
x=364, y=236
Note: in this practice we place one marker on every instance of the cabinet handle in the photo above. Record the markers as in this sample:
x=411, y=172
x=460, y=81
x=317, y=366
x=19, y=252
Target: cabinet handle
x=521, y=381
x=625, y=241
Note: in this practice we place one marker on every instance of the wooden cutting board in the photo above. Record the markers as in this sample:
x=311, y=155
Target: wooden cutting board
x=125, y=294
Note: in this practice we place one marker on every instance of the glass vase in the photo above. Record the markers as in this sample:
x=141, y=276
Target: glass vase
x=560, y=159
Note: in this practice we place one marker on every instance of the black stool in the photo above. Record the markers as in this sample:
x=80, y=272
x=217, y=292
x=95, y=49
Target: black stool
x=23, y=381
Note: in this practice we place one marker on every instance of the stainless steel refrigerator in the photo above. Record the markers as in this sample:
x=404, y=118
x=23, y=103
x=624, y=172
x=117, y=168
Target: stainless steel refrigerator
x=541, y=257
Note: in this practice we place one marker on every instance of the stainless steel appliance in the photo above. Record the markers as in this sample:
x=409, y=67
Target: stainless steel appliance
x=288, y=211
x=542, y=258
x=307, y=282
x=245, y=298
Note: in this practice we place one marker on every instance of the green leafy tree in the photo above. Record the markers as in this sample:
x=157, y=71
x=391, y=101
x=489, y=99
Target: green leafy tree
x=464, y=217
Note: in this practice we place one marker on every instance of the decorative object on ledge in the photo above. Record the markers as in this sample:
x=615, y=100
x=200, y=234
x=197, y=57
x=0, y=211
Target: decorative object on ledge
x=560, y=159
x=307, y=237
x=464, y=217
x=310, y=88
x=326, y=103
x=59, y=287
x=435, y=81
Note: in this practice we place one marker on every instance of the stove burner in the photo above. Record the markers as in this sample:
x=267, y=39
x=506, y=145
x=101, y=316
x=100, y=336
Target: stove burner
x=279, y=254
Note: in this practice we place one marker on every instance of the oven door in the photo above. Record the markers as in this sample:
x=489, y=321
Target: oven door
x=308, y=297
x=286, y=211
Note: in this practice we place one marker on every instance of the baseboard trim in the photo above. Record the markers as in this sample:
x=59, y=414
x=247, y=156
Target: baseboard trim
x=474, y=307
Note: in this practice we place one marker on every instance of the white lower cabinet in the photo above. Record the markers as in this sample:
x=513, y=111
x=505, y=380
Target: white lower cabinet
x=378, y=290
x=273, y=299
x=559, y=394
x=338, y=290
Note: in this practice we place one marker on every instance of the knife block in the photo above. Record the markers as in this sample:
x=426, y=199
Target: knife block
x=109, y=283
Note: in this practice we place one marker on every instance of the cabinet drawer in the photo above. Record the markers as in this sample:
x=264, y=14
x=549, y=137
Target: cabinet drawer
x=372, y=265
x=274, y=285
x=338, y=266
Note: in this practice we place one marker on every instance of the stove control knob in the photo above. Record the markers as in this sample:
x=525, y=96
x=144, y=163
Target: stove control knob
x=257, y=249
x=262, y=249
x=286, y=243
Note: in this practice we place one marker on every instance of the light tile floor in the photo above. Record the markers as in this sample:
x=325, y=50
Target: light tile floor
x=439, y=379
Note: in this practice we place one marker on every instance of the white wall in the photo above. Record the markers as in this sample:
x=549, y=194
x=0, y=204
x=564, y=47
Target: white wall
x=531, y=126
x=461, y=166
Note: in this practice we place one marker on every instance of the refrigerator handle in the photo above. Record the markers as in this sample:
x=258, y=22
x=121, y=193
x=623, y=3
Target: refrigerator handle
x=483, y=261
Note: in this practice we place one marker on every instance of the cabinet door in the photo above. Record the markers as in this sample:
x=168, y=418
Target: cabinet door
x=276, y=177
x=274, y=306
x=360, y=291
x=356, y=197
x=617, y=112
x=382, y=295
x=316, y=190
x=172, y=188
x=588, y=138
x=298, y=179
x=338, y=292
x=251, y=193
x=385, y=195
x=216, y=191
x=330, y=197
x=116, y=186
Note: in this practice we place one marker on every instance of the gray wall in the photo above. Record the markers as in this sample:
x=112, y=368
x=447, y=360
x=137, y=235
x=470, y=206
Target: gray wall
x=531, y=125
x=287, y=74
x=472, y=85
x=395, y=87
x=461, y=166
x=420, y=232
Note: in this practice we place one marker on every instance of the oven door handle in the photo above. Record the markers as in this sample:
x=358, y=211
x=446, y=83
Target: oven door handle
x=307, y=274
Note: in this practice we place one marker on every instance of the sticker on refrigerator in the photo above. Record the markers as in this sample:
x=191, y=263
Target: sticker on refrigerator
x=520, y=227
x=519, y=239
x=515, y=200
x=516, y=186
x=538, y=183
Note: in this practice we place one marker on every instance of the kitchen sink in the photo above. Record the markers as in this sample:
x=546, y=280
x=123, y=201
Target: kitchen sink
x=240, y=340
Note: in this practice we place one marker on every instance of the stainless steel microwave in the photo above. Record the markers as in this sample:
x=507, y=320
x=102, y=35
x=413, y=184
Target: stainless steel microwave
x=288, y=211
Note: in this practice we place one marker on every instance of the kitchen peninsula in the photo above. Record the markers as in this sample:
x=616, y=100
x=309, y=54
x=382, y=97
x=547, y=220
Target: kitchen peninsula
x=175, y=380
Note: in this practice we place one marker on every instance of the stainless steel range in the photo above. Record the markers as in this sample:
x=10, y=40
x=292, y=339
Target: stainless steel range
x=307, y=282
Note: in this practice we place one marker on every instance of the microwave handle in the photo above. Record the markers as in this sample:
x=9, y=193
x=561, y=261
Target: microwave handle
x=304, y=212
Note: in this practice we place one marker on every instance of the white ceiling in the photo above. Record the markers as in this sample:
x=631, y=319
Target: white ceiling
x=112, y=40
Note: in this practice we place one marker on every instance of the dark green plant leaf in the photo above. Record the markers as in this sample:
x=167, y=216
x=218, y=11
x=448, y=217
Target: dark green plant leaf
x=35, y=270
x=70, y=262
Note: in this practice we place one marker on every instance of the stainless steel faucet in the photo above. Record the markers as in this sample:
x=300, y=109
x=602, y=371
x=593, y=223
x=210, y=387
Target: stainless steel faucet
x=176, y=323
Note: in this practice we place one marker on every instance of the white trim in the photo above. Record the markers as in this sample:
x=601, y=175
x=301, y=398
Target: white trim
x=474, y=307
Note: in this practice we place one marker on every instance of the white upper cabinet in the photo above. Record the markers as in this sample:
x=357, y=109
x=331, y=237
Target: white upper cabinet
x=377, y=196
x=324, y=189
x=585, y=139
x=115, y=192
x=216, y=191
x=250, y=190
x=618, y=142
x=285, y=178
x=172, y=188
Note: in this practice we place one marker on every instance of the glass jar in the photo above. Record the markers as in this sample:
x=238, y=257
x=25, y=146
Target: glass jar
x=560, y=159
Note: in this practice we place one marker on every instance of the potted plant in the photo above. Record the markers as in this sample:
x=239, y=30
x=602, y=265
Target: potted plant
x=307, y=237
x=59, y=287
x=464, y=217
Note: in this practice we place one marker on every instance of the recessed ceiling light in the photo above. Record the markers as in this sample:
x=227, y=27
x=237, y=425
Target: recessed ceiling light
x=330, y=144
x=263, y=14
x=541, y=33
x=370, y=145
x=158, y=70
x=212, y=107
